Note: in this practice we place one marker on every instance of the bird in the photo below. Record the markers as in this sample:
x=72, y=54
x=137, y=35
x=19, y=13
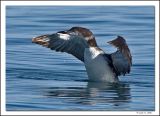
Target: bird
x=81, y=43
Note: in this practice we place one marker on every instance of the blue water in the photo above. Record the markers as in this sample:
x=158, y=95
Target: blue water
x=40, y=79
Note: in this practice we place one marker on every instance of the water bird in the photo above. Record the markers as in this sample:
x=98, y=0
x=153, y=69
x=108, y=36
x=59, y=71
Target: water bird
x=81, y=43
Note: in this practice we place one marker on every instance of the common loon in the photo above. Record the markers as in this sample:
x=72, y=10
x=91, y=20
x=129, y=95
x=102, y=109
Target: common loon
x=81, y=43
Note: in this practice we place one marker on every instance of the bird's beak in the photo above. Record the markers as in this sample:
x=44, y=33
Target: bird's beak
x=41, y=40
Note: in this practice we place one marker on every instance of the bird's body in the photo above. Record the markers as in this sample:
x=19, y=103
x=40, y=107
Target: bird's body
x=81, y=43
x=97, y=67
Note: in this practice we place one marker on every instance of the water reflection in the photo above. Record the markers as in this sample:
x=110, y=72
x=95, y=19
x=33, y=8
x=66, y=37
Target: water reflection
x=92, y=94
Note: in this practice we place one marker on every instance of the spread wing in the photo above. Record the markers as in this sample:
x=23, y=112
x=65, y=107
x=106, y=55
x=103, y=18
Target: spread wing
x=73, y=41
x=121, y=59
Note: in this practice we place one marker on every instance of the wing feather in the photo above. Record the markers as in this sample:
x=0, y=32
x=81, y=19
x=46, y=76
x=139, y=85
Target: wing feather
x=64, y=42
x=73, y=41
x=121, y=59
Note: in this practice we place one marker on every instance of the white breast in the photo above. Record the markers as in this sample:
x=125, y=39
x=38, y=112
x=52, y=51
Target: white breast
x=97, y=67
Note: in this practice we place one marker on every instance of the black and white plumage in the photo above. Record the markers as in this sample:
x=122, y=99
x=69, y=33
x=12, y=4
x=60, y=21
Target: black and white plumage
x=81, y=43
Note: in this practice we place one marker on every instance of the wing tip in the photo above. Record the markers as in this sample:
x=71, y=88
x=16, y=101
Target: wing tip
x=41, y=40
x=118, y=41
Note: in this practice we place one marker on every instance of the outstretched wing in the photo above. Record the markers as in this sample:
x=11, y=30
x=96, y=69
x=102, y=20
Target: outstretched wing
x=73, y=41
x=121, y=59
